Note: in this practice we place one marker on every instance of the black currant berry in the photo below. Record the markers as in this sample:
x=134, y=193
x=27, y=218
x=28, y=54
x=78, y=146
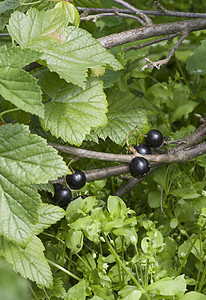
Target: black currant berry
x=154, y=138
x=143, y=149
x=62, y=195
x=139, y=166
x=76, y=180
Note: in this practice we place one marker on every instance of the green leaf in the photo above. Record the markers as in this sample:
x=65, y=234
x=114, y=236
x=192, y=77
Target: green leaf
x=73, y=111
x=70, y=11
x=78, y=291
x=197, y=62
x=57, y=291
x=125, y=112
x=16, y=85
x=67, y=50
x=8, y=5
x=30, y=262
x=27, y=156
x=19, y=205
x=16, y=57
x=168, y=286
x=74, y=240
x=48, y=215
x=116, y=207
x=24, y=159
x=129, y=293
x=193, y=296
x=87, y=3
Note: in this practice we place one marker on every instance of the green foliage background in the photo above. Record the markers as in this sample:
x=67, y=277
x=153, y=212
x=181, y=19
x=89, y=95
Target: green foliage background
x=83, y=95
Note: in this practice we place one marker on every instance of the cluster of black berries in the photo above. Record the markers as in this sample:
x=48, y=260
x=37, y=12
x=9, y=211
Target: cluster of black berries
x=63, y=195
x=139, y=166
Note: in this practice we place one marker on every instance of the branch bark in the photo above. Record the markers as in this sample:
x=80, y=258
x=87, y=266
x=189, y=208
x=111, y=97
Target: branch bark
x=181, y=27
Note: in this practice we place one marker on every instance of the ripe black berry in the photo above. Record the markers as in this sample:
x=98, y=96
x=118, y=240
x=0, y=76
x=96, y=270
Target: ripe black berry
x=62, y=195
x=154, y=138
x=139, y=166
x=143, y=149
x=76, y=180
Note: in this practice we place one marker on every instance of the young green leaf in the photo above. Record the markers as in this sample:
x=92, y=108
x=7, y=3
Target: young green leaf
x=168, y=286
x=67, y=50
x=73, y=111
x=16, y=85
x=30, y=262
x=70, y=11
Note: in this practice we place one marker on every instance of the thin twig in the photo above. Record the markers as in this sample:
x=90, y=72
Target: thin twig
x=159, y=63
x=115, y=14
x=177, y=14
x=137, y=47
x=161, y=8
x=145, y=19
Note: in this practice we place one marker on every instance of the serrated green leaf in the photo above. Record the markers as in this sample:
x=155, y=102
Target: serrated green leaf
x=16, y=85
x=18, y=208
x=197, y=62
x=57, y=291
x=87, y=3
x=48, y=215
x=73, y=111
x=64, y=49
x=27, y=156
x=16, y=57
x=24, y=159
x=20, y=88
x=124, y=114
x=30, y=262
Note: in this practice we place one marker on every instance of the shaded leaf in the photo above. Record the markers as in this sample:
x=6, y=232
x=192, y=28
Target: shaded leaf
x=197, y=62
x=125, y=112
x=87, y=3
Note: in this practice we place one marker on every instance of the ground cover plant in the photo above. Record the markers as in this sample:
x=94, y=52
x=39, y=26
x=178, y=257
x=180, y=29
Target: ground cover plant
x=102, y=150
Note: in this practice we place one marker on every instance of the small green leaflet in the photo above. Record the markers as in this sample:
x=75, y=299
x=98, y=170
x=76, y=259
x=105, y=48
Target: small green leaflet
x=72, y=111
x=30, y=262
x=25, y=159
x=197, y=62
x=67, y=50
x=16, y=85
x=125, y=112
